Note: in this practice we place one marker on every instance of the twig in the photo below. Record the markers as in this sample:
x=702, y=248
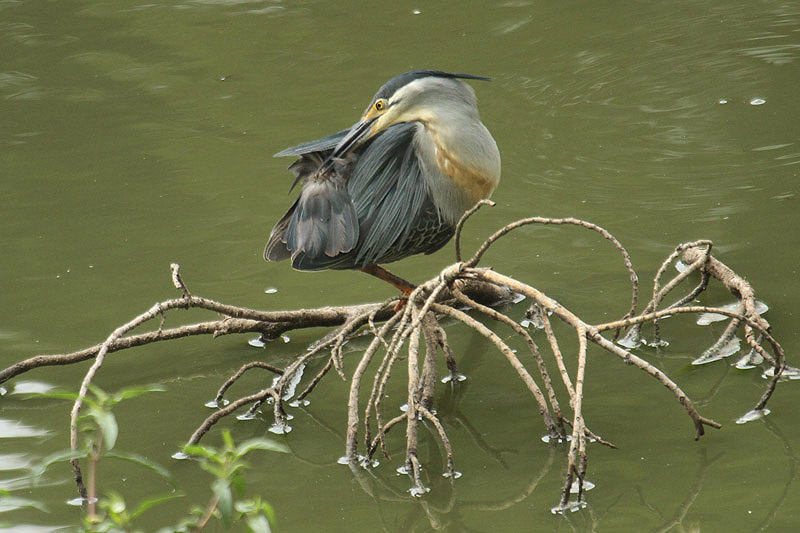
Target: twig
x=512, y=359
x=429, y=416
x=412, y=410
x=519, y=330
x=351, y=447
x=460, y=225
x=561, y=221
x=239, y=373
x=458, y=284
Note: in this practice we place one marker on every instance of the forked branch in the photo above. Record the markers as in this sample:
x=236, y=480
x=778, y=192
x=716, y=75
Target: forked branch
x=463, y=292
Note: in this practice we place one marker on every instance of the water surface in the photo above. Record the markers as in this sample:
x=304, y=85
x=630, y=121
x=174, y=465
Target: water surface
x=136, y=135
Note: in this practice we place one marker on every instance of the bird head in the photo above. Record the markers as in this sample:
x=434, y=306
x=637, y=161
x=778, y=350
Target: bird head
x=422, y=95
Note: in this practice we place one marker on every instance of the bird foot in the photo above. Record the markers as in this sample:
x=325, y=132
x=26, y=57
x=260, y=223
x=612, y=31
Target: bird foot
x=404, y=296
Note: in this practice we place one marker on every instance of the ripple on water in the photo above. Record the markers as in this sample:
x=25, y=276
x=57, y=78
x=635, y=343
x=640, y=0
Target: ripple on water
x=16, y=429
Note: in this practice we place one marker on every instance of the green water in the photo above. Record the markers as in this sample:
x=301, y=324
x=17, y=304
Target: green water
x=137, y=135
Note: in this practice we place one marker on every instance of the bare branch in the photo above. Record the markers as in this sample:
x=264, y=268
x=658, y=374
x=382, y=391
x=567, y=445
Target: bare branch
x=462, y=220
x=399, y=337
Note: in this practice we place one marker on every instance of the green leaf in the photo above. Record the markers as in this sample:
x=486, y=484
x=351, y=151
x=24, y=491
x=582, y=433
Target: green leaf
x=246, y=506
x=260, y=444
x=100, y=394
x=145, y=505
x=115, y=503
x=12, y=503
x=215, y=470
x=227, y=439
x=54, y=394
x=258, y=524
x=201, y=451
x=237, y=482
x=107, y=423
x=132, y=392
x=141, y=461
x=268, y=511
x=64, y=455
x=222, y=490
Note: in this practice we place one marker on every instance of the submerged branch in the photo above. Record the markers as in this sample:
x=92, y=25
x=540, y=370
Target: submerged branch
x=399, y=336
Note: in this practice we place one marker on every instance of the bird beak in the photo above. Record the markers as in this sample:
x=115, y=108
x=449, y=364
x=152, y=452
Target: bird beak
x=357, y=134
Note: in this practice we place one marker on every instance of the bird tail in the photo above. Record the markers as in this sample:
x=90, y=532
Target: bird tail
x=320, y=225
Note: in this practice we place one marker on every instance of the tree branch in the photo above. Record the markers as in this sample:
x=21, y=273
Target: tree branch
x=400, y=336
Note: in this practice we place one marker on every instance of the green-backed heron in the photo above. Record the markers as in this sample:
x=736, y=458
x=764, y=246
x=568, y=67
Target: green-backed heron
x=392, y=185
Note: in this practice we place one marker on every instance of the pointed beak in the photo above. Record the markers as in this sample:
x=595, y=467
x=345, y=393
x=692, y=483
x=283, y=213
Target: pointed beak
x=357, y=134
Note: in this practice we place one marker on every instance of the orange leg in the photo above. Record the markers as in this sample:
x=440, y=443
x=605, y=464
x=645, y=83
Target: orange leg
x=405, y=287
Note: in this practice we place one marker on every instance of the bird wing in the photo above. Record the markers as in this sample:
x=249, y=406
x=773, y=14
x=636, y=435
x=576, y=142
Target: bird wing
x=388, y=192
x=321, y=224
x=320, y=145
x=361, y=213
x=311, y=155
x=276, y=249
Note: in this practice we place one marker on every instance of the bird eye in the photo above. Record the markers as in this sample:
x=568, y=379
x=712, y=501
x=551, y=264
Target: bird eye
x=380, y=105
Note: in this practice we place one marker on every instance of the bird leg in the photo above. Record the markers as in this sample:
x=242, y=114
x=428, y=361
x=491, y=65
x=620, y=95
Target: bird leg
x=405, y=287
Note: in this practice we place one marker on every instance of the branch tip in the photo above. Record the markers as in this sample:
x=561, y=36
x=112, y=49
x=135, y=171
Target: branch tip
x=177, y=281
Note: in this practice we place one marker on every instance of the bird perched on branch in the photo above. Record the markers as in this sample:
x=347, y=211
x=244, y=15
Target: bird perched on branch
x=394, y=184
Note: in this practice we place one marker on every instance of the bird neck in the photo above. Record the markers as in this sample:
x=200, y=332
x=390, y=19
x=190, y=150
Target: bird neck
x=462, y=163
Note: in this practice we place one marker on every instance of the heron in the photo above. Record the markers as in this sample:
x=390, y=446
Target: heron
x=392, y=185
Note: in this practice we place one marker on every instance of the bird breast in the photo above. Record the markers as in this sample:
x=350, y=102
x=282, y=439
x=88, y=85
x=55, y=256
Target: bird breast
x=462, y=166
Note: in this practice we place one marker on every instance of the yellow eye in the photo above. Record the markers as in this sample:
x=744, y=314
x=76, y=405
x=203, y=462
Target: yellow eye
x=380, y=105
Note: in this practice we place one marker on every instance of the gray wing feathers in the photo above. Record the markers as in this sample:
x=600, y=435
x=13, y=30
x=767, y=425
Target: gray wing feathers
x=357, y=214
x=276, y=245
x=324, y=221
x=320, y=145
x=321, y=222
x=388, y=192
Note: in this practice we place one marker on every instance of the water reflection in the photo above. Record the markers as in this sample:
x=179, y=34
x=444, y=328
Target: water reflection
x=13, y=429
x=32, y=387
x=14, y=461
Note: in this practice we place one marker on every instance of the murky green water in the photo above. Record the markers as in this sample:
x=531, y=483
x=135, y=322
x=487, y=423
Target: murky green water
x=136, y=135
